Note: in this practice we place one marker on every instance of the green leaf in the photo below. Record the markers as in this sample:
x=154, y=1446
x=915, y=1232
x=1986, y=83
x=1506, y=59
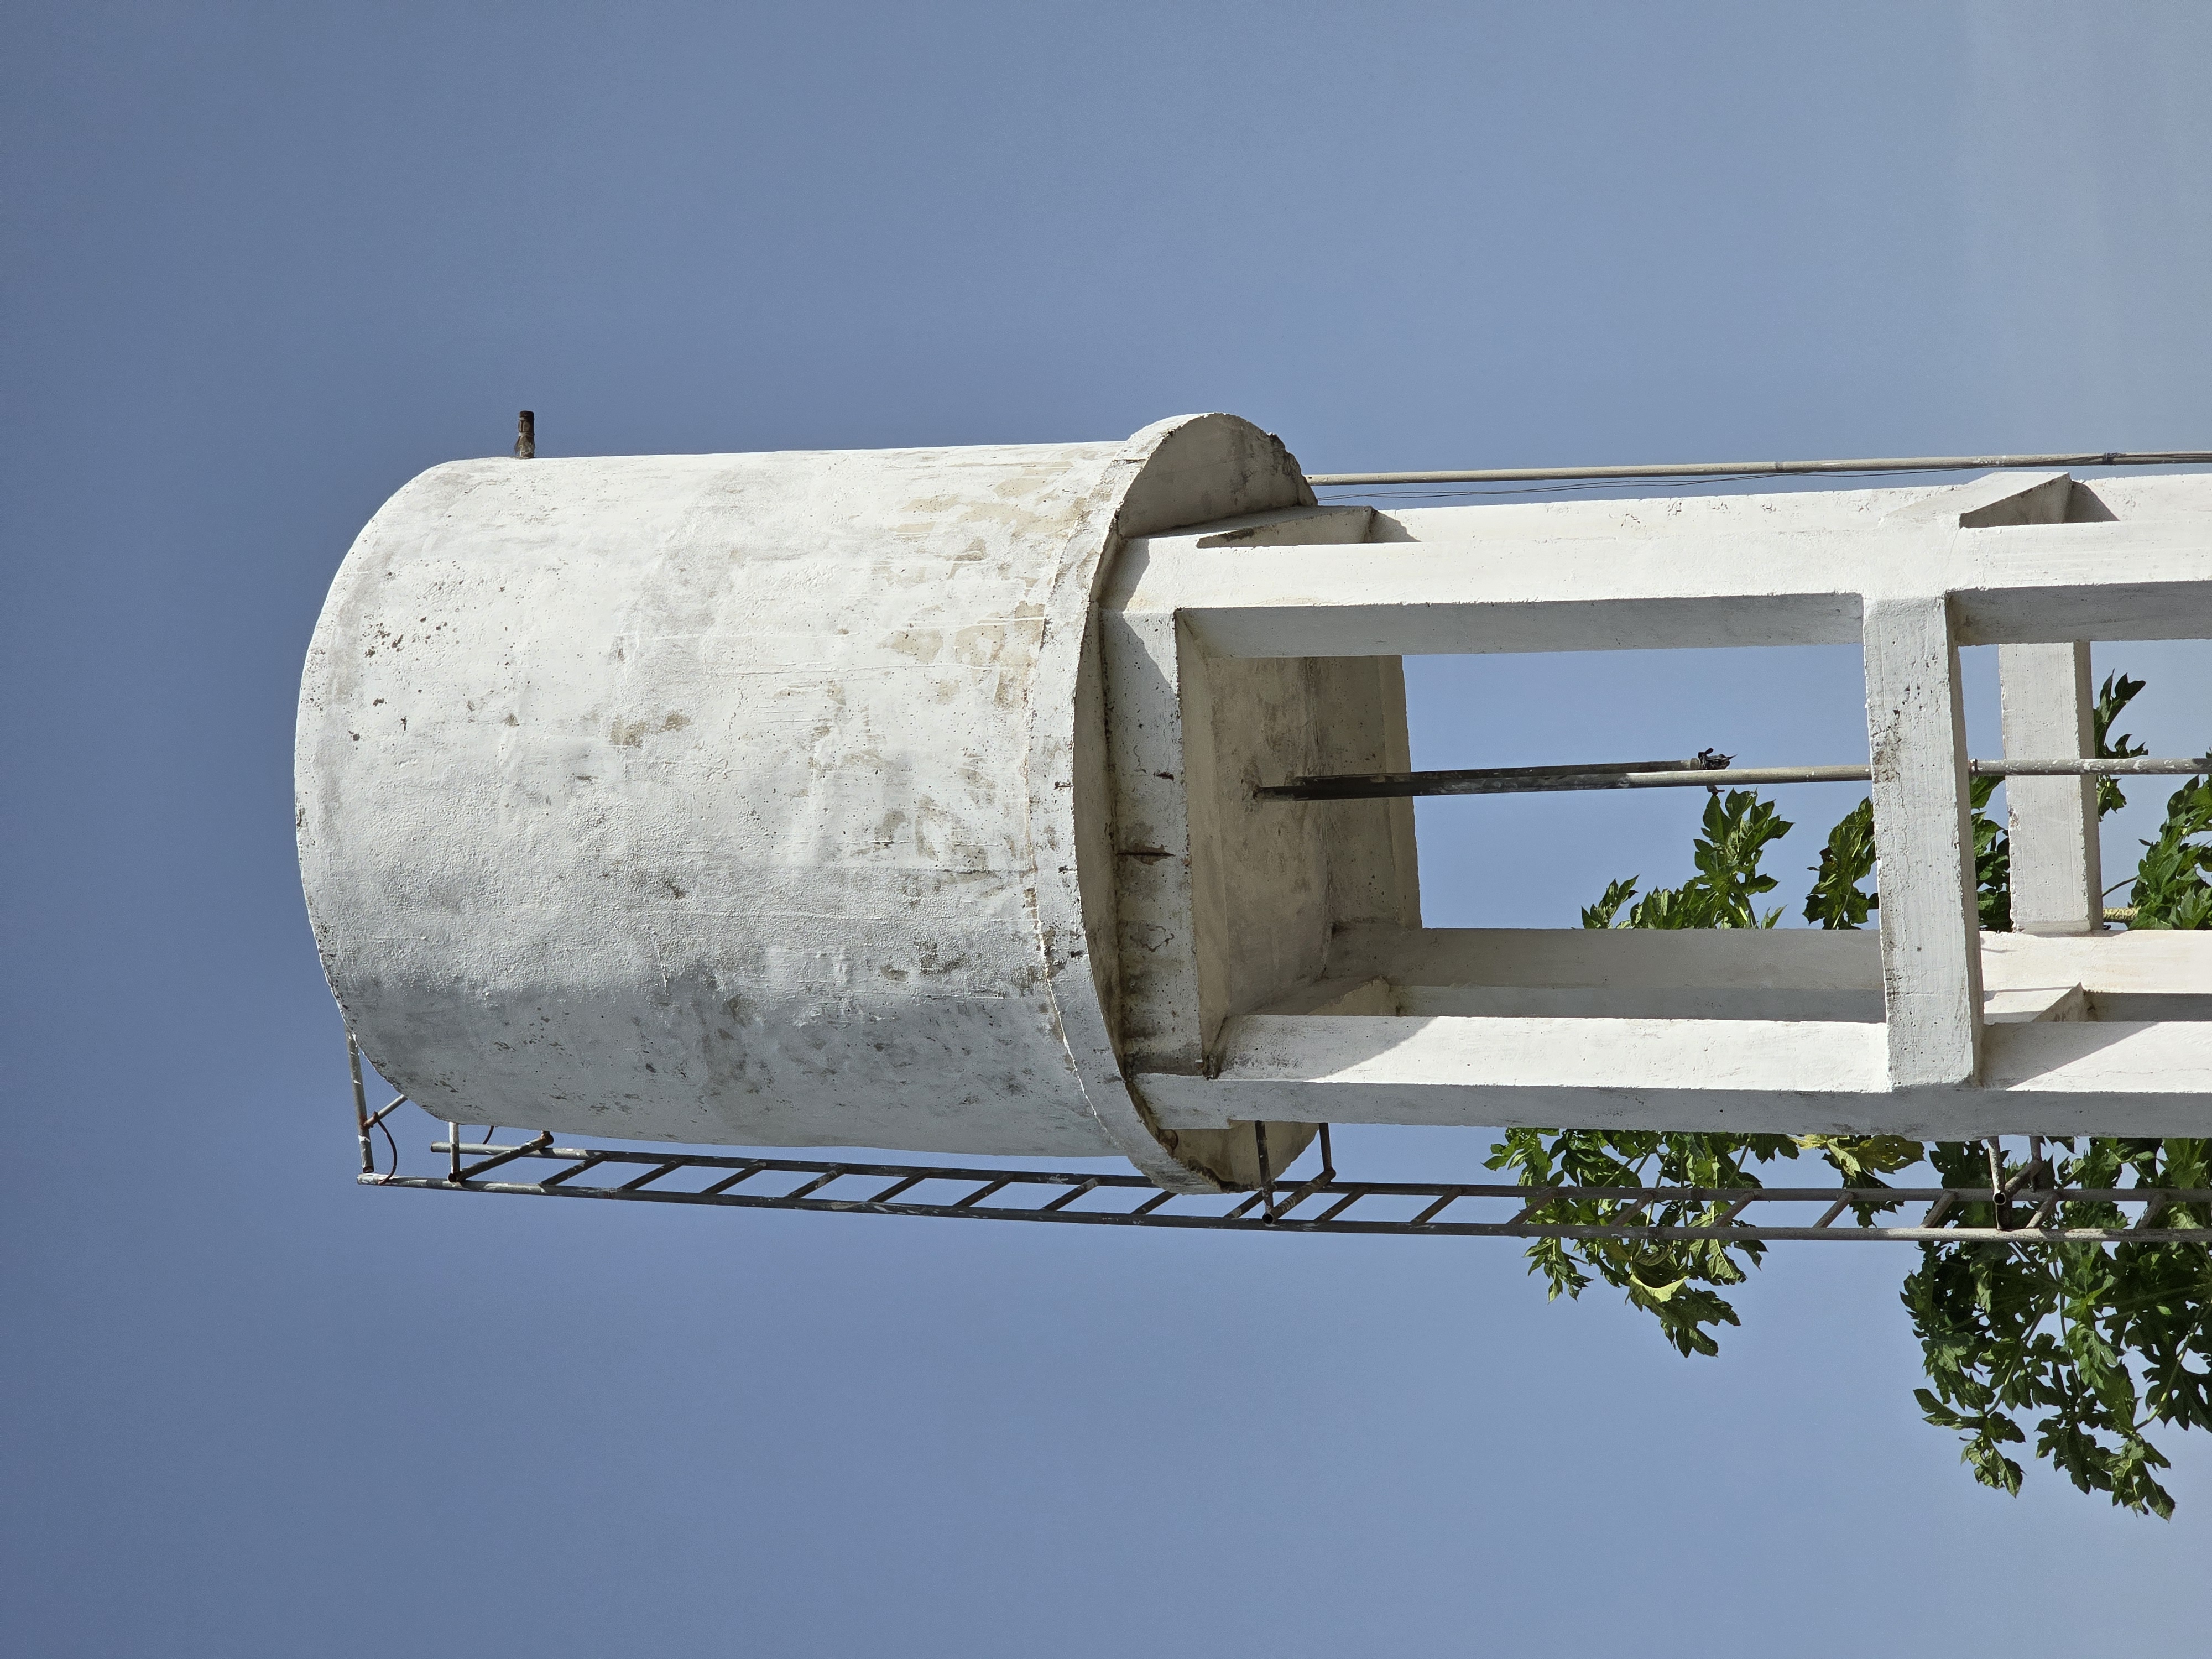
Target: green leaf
x=1836, y=901
x=1737, y=830
x=1992, y=861
x=2171, y=888
x=2116, y=694
x=1617, y=894
x=2098, y=1344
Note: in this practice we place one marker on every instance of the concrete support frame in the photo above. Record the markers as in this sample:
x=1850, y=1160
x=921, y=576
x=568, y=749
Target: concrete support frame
x=1224, y=904
x=2049, y=710
x=1931, y=959
x=1931, y=1028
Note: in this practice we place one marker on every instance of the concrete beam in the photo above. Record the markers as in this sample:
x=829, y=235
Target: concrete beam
x=1656, y=590
x=1740, y=958
x=1931, y=960
x=2049, y=702
x=2154, y=962
x=2052, y=1077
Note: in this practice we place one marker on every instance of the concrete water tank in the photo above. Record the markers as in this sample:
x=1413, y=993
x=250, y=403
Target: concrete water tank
x=764, y=800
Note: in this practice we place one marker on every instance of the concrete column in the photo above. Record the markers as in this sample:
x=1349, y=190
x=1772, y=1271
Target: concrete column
x=1930, y=938
x=1161, y=729
x=2049, y=708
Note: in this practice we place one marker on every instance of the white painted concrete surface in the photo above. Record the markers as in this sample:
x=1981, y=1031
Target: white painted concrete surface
x=2049, y=701
x=906, y=799
x=751, y=799
x=1916, y=741
x=1894, y=1030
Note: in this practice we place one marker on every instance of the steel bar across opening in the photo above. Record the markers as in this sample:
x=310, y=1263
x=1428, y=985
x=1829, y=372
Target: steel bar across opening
x=1698, y=773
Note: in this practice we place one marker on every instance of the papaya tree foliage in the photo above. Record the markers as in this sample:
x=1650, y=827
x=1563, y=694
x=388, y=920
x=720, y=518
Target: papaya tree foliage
x=2090, y=1347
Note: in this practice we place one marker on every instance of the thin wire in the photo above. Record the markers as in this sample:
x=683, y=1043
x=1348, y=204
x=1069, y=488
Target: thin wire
x=1858, y=466
x=1415, y=492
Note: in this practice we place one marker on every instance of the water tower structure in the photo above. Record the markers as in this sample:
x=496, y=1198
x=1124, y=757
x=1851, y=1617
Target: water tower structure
x=1055, y=802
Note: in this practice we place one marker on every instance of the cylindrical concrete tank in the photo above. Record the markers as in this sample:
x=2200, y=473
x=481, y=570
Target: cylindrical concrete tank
x=754, y=799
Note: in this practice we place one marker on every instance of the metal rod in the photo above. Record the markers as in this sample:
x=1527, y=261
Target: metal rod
x=1528, y=1200
x=359, y=1105
x=1679, y=774
x=1483, y=781
x=1547, y=1197
x=2088, y=767
x=452, y=1151
x=1774, y=469
x=1144, y=1216
x=476, y=1169
x=591, y=1160
x=2034, y=1168
x=1345, y=1203
x=799, y=1165
x=1301, y=1193
x=386, y=1109
x=829, y=1173
x=1542, y=1195
x=1437, y=1208
x=1070, y=1196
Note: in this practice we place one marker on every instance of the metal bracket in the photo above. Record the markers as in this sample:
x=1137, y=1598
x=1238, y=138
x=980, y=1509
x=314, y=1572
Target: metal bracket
x=1397, y=1207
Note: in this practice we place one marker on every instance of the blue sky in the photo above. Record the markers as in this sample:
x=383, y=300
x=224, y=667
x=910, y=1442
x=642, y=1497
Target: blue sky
x=262, y=264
